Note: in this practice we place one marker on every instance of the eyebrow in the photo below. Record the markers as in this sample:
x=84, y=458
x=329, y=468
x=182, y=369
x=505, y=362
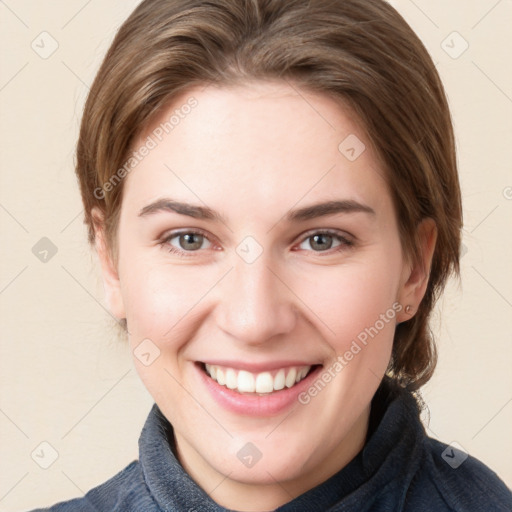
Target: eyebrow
x=300, y=214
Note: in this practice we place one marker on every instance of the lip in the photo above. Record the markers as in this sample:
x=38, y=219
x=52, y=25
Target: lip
x=255, y=405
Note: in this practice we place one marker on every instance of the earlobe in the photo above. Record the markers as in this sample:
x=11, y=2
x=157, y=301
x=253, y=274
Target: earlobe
x=417, y=275
x=110, y=276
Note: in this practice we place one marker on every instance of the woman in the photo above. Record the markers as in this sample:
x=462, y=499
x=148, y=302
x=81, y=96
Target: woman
x=271, y=187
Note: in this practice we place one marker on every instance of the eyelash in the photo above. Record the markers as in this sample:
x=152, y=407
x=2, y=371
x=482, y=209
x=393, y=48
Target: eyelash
x=345, y=243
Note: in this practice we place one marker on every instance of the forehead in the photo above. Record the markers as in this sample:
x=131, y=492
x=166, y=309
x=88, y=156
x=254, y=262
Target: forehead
x=258, y=144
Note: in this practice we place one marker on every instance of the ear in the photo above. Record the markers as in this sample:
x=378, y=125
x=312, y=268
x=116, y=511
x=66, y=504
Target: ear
x=416, y=275
x=111, y=282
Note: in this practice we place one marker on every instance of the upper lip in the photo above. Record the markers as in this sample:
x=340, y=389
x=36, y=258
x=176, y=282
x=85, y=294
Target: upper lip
x=257, y=367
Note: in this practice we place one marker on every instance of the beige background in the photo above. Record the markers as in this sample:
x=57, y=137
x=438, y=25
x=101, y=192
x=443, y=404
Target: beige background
x=65, y=378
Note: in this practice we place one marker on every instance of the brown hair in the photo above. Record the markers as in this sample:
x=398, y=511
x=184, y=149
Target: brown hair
x=359, y=51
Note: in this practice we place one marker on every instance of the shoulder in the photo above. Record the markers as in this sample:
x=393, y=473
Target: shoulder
x=456, y=481
x=126, y=490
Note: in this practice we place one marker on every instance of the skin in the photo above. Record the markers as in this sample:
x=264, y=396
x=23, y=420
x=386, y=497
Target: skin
x=252, y=153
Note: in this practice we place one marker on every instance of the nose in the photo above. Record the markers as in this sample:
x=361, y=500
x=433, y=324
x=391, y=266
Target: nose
x=255, y=305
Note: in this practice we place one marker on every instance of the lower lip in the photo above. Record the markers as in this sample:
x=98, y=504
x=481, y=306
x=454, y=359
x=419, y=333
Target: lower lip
x=256, y=405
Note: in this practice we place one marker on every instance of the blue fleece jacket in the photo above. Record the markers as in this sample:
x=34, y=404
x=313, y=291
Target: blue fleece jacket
x=400, y=469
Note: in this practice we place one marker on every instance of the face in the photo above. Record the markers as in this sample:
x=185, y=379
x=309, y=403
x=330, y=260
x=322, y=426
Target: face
x=229, y=264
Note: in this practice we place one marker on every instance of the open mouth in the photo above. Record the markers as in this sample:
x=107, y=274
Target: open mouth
x=262, y=383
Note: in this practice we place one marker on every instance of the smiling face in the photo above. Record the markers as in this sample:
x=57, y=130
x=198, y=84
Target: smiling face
x=227, y=260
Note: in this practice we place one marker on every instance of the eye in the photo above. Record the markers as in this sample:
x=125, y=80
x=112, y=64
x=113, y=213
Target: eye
x=323, y=241
x=185, y=242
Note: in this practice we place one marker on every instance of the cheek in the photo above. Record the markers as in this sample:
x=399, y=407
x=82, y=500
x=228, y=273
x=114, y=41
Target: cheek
x=160, y=300
x=348, y=301
x=162, y=306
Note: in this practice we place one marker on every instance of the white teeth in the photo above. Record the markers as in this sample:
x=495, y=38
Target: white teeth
x=290, y=378
x=262, y=383
x=231, y=380
x=245, y=382
x=279, y=380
